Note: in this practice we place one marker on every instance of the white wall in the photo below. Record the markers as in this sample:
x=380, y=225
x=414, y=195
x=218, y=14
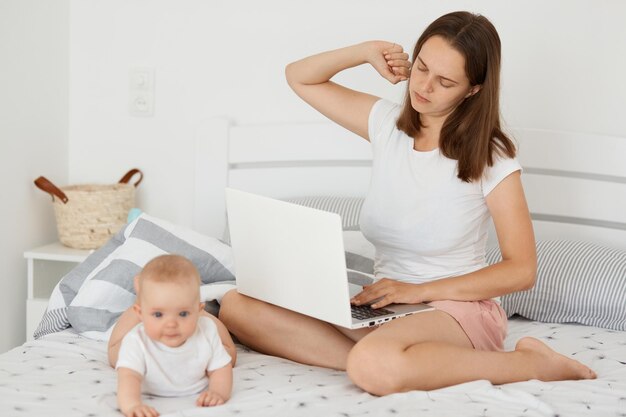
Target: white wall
x=563, y=64
x=34, y=116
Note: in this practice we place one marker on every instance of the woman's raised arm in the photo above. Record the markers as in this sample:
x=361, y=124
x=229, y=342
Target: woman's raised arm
x=310, y=79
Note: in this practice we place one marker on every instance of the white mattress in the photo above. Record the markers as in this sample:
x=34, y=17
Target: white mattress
x=65, y=375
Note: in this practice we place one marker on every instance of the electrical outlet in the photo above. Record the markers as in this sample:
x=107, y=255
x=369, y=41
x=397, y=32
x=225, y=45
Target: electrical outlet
x=141, y=94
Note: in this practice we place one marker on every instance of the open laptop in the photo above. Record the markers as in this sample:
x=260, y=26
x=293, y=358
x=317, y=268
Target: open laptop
x=293, y=257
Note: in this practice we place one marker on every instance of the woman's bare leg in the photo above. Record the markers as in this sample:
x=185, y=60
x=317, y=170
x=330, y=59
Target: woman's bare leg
x=276, y=331
x=430, y=350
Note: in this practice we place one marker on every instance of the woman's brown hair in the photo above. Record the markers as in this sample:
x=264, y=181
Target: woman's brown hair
x=471, y=134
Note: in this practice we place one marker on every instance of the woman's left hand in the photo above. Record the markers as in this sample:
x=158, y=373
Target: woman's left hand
x=387, y=291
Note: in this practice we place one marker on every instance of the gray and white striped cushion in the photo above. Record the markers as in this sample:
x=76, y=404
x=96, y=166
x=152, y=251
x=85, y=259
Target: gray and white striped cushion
x=349, y=208
x=92, y=296
x=577, y=282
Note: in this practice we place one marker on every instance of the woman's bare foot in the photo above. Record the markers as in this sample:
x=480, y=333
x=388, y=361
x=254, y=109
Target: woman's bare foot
x=553, y=366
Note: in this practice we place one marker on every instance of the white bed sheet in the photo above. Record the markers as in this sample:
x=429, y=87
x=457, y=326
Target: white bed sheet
x=67, y=375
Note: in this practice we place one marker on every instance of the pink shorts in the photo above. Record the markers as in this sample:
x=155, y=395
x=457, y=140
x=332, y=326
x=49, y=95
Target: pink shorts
x=484, y=322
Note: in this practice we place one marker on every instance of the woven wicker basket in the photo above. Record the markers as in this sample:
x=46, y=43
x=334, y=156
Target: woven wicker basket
x=88, y=215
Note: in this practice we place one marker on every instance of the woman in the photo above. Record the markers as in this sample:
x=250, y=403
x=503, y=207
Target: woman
x=442, y=167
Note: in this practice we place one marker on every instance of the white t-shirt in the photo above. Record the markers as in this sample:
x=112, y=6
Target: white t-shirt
x=174, y=372
x=423, y=220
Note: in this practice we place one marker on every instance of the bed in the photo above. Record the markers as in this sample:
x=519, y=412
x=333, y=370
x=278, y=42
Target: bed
x=576, y=188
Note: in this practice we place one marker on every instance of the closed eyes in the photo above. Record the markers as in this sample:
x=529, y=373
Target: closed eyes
x=443, y=81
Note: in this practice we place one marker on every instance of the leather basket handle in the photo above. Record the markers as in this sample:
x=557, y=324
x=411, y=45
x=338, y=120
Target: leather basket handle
x=47, y=186
x=126, y=178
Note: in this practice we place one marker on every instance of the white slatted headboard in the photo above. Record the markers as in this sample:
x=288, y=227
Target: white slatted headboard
x=278, y=160
x=575, y=183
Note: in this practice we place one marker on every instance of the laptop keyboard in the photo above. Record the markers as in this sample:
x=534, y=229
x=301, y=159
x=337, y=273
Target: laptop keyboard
x=366, y=312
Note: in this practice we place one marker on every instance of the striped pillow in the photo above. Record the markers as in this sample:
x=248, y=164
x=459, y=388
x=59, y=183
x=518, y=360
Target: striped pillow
x=349, y=208
x=577, y=282
x=91, y=297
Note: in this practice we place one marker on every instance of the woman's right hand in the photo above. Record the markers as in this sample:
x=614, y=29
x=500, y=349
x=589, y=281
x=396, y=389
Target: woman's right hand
x=390, y=60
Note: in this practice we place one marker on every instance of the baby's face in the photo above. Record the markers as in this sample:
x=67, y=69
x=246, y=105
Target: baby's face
x=170, y=311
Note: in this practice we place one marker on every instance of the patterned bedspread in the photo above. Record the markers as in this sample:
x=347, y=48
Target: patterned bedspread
x=67, y=375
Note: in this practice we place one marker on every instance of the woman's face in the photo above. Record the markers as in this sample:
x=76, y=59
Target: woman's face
x=438, y=82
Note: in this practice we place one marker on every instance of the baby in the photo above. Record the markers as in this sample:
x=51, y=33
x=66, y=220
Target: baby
x=174, y=351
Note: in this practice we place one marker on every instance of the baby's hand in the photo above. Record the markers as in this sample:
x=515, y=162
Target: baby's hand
x=141, y=410
x=209, y=399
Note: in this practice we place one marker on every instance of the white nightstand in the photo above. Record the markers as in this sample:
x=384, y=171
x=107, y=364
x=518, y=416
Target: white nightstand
x=46, y=266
